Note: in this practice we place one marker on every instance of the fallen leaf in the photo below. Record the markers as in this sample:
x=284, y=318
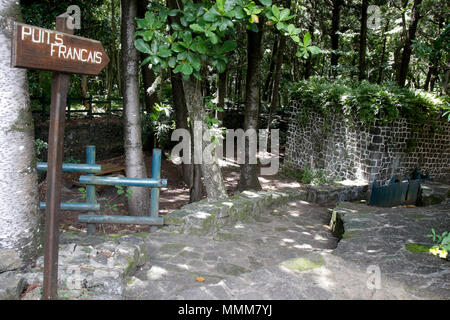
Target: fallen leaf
x=200, y=279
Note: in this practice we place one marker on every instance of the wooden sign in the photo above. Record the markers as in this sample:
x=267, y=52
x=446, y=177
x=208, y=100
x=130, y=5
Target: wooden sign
x=44, y=49
x=63, y=53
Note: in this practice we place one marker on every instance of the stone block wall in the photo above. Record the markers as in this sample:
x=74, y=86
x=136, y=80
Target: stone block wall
x=105, y=134
x=347, y=150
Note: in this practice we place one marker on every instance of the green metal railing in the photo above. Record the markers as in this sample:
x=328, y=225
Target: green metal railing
x=90, y=180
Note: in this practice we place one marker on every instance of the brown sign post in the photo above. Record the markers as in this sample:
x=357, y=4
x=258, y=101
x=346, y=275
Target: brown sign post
x=62, y=52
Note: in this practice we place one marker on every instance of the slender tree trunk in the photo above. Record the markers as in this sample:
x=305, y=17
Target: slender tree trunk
x=363, y=41
x=221, y=92
x=21, y=222
x=139, y=202
x=267, y=85
x=191, y=173
x=275, y=100
x=335, y=20
x=383, y=53
x=212, y=175
x=406, y=54
x=84, y=90
x=249, y=172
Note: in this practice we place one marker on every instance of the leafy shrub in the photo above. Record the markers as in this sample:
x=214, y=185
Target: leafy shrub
x=308, y=175
x=442, y=241
x=367, y=102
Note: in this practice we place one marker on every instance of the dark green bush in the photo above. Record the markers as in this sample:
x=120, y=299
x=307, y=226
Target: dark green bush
x=366, y=102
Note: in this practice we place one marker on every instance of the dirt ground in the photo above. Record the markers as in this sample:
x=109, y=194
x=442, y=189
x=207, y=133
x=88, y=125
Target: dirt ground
x=174, y=196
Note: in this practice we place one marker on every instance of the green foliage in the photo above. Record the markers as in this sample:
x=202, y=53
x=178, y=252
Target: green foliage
x=83, y=192
x=72, y=160
x=127, y=192
x=442, y=241
x=367, y=102
x=205, y=34
x=308, y=175
x=40, y=146
x=160, y=122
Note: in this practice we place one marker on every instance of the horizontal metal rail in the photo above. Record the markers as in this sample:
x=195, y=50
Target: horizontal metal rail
x=122, y=181
x=73, y=167
x=86, y=218
x=75, y=206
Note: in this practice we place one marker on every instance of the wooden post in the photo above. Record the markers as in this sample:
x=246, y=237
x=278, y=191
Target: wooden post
x=60, y=87
x=53, y=55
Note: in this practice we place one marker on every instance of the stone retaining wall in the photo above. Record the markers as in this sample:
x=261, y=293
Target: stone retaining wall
x=205, y=217
x=349, y=151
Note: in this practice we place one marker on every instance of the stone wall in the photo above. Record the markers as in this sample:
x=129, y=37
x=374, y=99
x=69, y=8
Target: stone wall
x=105, y=134
x=350, y=151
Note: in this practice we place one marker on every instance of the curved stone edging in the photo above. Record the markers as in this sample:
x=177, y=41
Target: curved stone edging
x=206, y=217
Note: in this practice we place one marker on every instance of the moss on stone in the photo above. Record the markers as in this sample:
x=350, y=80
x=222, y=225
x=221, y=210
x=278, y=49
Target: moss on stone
x=172, y=220
x=349, y=234
x=172, y=247
x=141, y=234
x=417, y=248
x=303, y=264
x=116, y=235
x=228, y=237
x=208, y=223
x=281, y=229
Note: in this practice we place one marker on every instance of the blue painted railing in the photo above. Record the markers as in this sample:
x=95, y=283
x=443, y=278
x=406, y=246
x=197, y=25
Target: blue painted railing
x=91, y=181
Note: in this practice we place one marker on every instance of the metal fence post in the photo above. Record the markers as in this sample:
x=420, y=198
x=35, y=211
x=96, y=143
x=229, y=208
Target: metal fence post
x=156, y=174
x=90, y=188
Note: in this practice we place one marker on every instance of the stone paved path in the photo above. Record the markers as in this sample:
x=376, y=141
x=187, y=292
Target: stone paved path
x=380, y=236
x=285, y=254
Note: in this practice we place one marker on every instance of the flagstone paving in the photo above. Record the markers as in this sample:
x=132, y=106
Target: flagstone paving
x=286, y=253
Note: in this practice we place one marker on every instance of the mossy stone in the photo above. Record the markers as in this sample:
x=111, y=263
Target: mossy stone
x=417, y=248
x=303, y=264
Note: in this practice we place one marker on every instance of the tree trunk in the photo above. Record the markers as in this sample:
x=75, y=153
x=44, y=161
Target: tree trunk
x=221, y=92
x=275, y=100
x=383, y=53
x=190, y=172
x=215, y=188
x=336, y=14
x=249, y=172
x=84, y=91
x=139, y=201
x=271, y=68
x=21, y=221
x=406, y=54
x=363, y=41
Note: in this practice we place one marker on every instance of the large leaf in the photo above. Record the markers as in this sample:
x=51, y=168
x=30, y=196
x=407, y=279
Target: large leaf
x=266, y=3
x=307, y=39
x=142, y=46
x=314, y=50
x=228, y=46
x=276, y=12
x=187, y=69
x=284, y=14
x=197, y=28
